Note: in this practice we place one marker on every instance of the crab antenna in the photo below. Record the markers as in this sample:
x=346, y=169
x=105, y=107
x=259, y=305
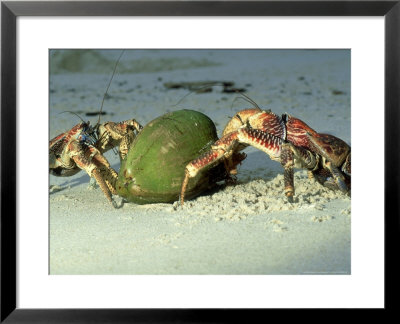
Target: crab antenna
x=237, y=98
x=71, y=112
x=207, y=85
x=249, y=99
x=109, y=83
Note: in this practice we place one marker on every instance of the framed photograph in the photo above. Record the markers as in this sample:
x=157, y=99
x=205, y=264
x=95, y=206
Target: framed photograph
x=199, y=152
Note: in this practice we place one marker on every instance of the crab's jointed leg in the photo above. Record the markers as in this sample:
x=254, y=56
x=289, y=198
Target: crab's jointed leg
x=287, y=162
x=295, y=157
x=336, y=174
x=334, y=152
x=225, y=147
x=96, y=166
x=118, y=134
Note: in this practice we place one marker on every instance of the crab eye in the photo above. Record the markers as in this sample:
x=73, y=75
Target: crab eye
x=238, y=117
x=82, y=138
x=87, y=139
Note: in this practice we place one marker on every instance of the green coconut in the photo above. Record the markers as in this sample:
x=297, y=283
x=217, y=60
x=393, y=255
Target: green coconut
x=154, y=168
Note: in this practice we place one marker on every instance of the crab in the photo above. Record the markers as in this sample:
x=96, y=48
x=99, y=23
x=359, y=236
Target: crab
x=83, y=146
x=285, y=139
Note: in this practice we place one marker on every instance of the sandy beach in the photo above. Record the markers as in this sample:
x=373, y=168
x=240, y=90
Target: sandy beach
x=247, y=228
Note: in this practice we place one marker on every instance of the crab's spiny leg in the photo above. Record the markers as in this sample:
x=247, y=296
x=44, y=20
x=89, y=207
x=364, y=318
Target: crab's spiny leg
x=124, y=146
x=125, y=129
x=224, y=147
x=109, y=175
x=83, y=163
x=261, y=140
x=277, y=149
x=96, y=174
x=94, y=164
x=122, y=134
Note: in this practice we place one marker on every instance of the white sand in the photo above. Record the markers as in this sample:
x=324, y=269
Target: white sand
x=248, y=228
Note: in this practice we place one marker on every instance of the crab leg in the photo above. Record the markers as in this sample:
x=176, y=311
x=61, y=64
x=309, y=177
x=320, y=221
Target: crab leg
x=96, y=174
x=90, y=160
x=225, y=146
x=109, y=175
x=287, y=162
x=337, y=176
x=292, y=156
x=113, y=133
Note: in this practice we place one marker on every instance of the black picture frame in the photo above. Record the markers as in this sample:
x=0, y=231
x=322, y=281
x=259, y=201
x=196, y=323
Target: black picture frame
x=11, y=10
